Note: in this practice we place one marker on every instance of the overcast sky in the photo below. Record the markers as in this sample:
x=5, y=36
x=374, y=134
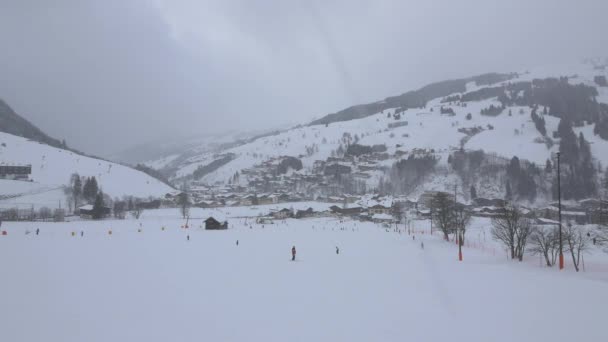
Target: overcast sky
x=106, y=75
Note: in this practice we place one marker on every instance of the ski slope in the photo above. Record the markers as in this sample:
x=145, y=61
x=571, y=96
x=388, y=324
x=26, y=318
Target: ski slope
x=155, y=285
x=52, y=167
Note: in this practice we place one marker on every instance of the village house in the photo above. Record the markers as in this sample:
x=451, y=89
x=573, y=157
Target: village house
x=282, y=214
x=15, y=172
x=304, y=213
x=86, y=211
x=208, y=204
x=354, y=211
x=487, y=202
x=427, y=198
x=568, y=214
x=383, y=218
x=379, y=209
x=213, y=224
x=337, y=169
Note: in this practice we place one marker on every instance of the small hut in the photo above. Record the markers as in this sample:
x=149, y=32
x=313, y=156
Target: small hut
x=213, y=224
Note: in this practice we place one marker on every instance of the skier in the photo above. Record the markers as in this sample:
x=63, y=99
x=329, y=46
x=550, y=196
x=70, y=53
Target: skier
x=421, y=244
x=37, y=231
x=81, y=233
x=293, y=253
x=188, y=237
x=337, y=250
x=413, y=237
x=237, y=242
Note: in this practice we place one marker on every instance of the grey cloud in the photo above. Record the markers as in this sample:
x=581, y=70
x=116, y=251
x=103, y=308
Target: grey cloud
x=109, y=74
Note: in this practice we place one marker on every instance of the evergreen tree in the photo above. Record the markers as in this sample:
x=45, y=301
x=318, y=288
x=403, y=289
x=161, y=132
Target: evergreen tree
x=526, y=187
x=90, y=189
x=568, y=145
x=76, y=189
x=586, y=168
x=98, y=207
x=514, y=168
x=509, y=193
x=86, y=189
x=548, y=166
x=94, y=187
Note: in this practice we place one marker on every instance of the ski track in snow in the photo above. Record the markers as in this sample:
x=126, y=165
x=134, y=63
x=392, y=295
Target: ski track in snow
x=157, y=286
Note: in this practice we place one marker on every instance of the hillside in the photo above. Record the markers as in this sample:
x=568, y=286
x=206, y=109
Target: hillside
x=12, y=123
x=52, y=167
x=503, y=115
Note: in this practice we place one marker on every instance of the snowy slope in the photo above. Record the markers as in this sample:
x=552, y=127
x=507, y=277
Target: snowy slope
x=156, y=285
x=511, y=133
x=52, y=167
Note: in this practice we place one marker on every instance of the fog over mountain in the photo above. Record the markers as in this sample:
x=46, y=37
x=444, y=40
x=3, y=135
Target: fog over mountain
x=107, y=75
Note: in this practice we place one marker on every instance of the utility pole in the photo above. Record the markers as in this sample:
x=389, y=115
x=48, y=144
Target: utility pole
x=559, y=210
x=458, y=237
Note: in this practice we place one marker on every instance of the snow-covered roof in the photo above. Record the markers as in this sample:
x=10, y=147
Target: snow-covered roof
x=382, y=217
x=547, y=221
x=86, y=207
x=574, y=213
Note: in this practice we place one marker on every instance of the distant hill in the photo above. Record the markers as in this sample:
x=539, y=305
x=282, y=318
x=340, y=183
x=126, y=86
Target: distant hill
x=53, y=163
x=468, y=130
x=413, y=99
x=12, y=123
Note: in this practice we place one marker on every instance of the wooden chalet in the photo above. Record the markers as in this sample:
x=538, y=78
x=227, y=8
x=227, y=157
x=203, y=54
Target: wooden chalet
x=213, y=224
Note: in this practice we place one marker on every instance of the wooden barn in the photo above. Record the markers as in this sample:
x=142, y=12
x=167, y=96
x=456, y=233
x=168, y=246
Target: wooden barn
x=86, y=211
x=15, y=172
x=213, y=224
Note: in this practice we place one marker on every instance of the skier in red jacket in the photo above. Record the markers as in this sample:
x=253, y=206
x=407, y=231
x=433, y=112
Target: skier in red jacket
x=293, y=253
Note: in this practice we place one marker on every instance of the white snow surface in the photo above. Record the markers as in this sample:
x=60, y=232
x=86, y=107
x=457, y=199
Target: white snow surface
x=155, y=285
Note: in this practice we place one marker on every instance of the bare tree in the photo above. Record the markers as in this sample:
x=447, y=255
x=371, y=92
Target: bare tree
x=45, y=213
x=521, y=237
x=119, y=209
x=545, y=241
x=576, y=243
x=461, y=219
x=137, y=211
x=512, y=230
x=442, y=208
x=183, y=201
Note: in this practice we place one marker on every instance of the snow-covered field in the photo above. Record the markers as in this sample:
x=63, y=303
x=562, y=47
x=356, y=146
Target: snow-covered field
x=155, y=285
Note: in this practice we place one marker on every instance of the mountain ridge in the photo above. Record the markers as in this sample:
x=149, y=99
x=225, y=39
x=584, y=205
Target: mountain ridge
x=13, y=123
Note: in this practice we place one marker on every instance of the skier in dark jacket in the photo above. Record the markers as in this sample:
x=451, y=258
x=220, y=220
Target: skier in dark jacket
x=337, y=250
x=293, y=253
x=37, y=231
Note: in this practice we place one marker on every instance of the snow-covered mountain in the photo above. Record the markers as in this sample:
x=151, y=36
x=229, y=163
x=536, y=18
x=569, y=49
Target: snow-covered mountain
x=490, y=112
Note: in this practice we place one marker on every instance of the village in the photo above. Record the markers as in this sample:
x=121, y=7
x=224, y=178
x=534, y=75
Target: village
x=281, y=181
